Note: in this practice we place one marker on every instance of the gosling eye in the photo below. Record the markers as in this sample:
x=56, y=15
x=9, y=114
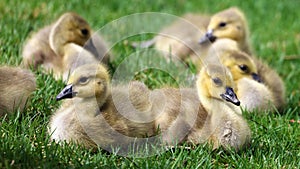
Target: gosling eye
x=244, y=68
x=217, y=81
x=222, y=24
x=83, y=80
x=84, y=31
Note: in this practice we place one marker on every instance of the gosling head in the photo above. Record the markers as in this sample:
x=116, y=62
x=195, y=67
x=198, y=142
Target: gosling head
x=87, y=81
x=216, y=82
x=230, y=23
x=69, y=28
x=240, y=64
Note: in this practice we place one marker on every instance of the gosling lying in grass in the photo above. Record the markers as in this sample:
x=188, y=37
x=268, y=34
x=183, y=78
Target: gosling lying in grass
x=250, y=89
x=16, y=86
x=68, y=46
x=71, y=28
x=231, y=24
x=94, y=115
x=89, y=116
x=181, y=38
x=235, y=27
x=219, y=117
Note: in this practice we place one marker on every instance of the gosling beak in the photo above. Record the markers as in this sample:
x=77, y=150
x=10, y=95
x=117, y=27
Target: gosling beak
x=230, y=96
x=256, y=77
x=208, y=37
x=67, y=92
x=90, y=46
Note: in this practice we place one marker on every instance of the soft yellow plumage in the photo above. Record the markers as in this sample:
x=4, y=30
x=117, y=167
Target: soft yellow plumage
x=50, y=48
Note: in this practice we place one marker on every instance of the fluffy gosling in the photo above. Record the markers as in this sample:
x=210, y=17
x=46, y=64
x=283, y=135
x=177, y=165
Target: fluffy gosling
x=73, y=29
x=219, y=118
x=16, y=86
x=94, y=116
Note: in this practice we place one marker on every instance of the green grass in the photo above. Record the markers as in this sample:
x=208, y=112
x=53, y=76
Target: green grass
x=24, y=142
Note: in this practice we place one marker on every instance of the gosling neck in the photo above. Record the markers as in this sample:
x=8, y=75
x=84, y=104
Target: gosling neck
x=91, y=105
x=85, y=107
x=244, y=46
x=56, y=38
x=217, y=107
x=57, y=44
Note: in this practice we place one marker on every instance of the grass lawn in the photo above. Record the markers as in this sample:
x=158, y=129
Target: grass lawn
x=275, y=36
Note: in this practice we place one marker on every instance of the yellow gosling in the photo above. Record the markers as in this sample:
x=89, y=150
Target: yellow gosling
x=219, y=118
x=43, y=48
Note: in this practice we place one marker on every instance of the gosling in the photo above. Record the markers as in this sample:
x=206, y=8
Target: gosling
x=219, y=118
x=230, y=23
x=212, y=115
x=90, y=114
x=234, y=26
x=181, y=39
x=73, y=28
x=250, y=89
x=16, y=87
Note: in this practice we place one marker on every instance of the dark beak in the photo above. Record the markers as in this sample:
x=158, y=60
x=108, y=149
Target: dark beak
x=90, y=46
x=256, y=77
x=209, y=37
x=230, y=96
x=67, y=92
